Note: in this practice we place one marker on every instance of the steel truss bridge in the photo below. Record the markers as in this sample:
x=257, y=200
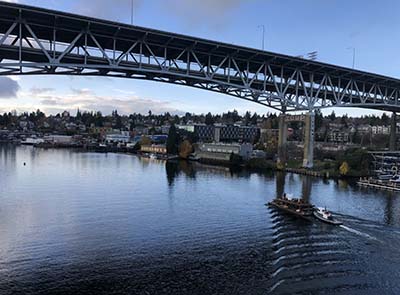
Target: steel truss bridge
x=35, y=41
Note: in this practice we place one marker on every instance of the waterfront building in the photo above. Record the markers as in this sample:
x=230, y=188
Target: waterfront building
x=364, y=129
x=154, y=149
x=380, y=130
x=118, y=138
x=205, y=133
x=58, y=139
x=223, y=151
x=222, y=133
x=102, y=131
x=155, y=139
x=188, y=128
x=165, y=129
x=141, y=130
x=339, y=136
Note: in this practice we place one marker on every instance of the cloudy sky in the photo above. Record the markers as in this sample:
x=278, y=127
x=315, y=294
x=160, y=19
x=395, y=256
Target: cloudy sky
x=293, y=27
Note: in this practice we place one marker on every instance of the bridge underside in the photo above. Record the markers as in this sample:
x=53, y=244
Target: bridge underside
x=36, y=41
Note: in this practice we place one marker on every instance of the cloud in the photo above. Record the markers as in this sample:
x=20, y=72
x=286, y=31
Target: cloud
x=8, y=87
x=110, y=9
x=206, y=13
x=49, y=101
x=85, y=99
x=82, y=92
x=38, y=91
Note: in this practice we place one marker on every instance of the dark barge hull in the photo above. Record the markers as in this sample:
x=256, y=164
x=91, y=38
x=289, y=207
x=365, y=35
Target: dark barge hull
x=286, y=210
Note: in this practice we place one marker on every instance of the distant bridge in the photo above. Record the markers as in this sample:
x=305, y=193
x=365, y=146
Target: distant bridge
x=36, y=41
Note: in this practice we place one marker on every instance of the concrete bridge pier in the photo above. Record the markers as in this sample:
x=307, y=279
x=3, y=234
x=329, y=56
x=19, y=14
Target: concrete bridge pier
x=309, y=127
x=393, y=136
x=282, y=142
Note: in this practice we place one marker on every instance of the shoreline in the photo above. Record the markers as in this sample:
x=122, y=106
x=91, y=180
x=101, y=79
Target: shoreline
x=253, y=165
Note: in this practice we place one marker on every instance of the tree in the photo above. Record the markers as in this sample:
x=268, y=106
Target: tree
x=344, y=169
x=319, y=119
x=173, y=140
x=247, y=118
x=209, y=119
x=343, y=120
x=185, y=149
x=98, y=119
x=385, y=119
x=332, y=116
x=78, y=114
x=254, y=119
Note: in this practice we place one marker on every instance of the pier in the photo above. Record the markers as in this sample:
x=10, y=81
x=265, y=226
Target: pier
x=379, y=184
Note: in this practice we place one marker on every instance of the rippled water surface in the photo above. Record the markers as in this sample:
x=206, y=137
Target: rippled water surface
x=86, y=223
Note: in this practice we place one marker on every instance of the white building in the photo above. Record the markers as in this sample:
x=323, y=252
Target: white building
x=244, y=150
x=117, y=138
x=381, y=130
x=58, y=139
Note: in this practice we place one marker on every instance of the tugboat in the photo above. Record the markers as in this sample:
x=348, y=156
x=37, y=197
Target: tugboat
x=296, y=207
x=325, y=216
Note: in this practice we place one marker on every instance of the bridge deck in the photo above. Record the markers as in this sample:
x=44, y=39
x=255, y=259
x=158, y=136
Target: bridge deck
x=47, y=41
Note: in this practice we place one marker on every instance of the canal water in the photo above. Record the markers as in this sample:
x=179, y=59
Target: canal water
x=87, y=223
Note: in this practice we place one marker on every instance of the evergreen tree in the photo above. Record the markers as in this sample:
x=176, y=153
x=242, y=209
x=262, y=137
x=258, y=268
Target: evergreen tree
x=209, y=119
x=319, y=119
x=332, y=116
x=173, y=141
x=78, y=114
x=247, y=118
x=254, y=119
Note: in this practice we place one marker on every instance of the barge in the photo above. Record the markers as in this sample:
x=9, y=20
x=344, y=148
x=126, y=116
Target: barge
x=296, y=207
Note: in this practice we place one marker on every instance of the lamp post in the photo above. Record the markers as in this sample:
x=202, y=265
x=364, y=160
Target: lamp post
x=132, y=10
x=263, y=35
x=354, y=55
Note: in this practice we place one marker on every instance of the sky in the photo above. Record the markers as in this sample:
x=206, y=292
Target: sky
x=293, y=27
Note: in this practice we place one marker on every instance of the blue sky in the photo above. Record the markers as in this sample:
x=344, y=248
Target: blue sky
x=293, y=27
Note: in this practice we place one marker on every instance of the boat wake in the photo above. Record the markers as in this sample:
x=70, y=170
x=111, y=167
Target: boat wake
x=354, y=231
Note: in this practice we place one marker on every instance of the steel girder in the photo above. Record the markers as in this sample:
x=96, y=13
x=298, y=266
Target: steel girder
x=31, y=46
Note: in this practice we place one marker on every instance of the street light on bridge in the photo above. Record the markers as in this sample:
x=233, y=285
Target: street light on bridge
x=312, y=55
x=263, y=35
x=132, y=11
x=354, y=55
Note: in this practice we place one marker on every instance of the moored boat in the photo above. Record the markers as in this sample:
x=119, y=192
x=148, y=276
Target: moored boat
x=325, y=216
x=296, y=207
x=32, y=141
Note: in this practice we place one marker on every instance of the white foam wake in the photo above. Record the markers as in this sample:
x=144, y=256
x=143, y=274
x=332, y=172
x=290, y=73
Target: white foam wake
x=354, y=231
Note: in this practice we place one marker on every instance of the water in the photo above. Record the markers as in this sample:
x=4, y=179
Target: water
x=86, y=223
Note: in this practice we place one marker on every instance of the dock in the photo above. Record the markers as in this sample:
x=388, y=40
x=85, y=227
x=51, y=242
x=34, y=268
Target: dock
x=379, y=184
x=304, y=171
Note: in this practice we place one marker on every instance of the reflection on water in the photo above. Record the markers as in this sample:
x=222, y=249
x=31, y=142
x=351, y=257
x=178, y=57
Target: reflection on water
x=85, y=223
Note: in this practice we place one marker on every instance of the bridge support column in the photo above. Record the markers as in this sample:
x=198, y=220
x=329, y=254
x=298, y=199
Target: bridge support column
x=282, y=142
x=393, y=137
x=308, y=158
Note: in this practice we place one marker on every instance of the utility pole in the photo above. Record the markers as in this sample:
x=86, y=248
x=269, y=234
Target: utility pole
x=263, y=35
